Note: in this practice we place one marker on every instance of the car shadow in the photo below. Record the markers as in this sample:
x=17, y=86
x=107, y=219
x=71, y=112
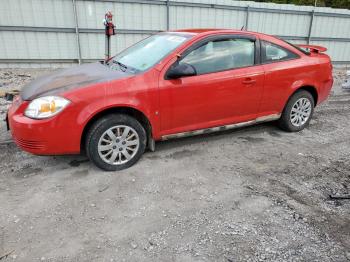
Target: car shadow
x=270, y=127
x=250, y=134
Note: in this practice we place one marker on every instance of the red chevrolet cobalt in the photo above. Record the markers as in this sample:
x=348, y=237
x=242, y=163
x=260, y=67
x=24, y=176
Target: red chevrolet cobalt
x=169, y=85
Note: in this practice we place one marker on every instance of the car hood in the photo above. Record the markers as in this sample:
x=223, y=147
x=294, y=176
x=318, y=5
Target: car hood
x=68, y=79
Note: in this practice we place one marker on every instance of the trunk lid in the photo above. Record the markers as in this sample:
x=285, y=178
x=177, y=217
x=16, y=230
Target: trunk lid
x=313, y=48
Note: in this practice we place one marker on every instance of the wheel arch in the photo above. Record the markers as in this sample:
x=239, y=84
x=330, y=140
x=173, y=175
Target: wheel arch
x=309, y=88
x=130, y=111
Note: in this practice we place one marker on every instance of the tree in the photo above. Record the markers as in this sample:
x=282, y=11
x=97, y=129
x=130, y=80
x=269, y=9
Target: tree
x=329, y=3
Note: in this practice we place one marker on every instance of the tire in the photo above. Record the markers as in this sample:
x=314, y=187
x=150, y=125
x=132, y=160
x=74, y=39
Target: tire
x=297, y=112
x=115, y=142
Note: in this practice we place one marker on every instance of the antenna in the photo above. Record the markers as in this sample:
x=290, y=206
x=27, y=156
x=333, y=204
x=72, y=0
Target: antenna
x=242, y=28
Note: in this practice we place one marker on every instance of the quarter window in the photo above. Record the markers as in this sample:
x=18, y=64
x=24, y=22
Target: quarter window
x=275, y=53
x=220, y=55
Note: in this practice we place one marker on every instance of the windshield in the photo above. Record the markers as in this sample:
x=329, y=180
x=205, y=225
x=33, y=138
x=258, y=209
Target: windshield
x=148, y=52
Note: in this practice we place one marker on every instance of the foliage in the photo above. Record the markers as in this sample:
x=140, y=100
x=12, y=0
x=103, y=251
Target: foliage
x=328, y=3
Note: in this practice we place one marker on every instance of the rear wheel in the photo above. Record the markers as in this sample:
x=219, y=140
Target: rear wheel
x=298, y=112
x=115, y=142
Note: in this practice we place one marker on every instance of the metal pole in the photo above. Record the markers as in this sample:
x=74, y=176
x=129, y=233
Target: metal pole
x=247, y=18
x=167, y=15
x=310, y=26
x=77, y=30
x=108, y=47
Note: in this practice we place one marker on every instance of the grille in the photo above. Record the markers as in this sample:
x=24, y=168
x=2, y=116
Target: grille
x=29, y=144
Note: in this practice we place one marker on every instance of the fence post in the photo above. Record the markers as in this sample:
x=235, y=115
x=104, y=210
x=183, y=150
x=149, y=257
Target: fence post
x=247, y=18
x=77, y=30
x=167, y=15
x=312, y=14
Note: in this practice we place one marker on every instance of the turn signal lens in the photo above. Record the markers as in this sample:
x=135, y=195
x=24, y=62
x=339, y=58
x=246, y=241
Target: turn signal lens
x=45, y=107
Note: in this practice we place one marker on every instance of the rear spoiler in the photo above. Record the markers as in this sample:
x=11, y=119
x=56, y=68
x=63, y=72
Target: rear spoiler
x=313, y=48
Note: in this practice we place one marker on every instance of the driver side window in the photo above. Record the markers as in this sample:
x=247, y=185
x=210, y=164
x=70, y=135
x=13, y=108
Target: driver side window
x=221, y=55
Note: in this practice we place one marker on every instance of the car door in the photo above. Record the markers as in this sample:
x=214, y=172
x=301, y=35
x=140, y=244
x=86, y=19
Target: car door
x=226, y=89
x=283, y=69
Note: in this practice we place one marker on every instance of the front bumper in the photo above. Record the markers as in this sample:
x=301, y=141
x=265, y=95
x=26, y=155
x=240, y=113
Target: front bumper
x=50, y=136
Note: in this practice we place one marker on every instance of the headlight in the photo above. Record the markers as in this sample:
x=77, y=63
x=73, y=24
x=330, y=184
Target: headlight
x=47, y=106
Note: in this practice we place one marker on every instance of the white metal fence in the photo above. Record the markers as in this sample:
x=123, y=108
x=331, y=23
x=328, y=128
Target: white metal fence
x=57, y=32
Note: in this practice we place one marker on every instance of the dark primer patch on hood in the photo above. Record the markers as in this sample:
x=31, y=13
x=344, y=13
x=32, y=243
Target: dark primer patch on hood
x=69, y=79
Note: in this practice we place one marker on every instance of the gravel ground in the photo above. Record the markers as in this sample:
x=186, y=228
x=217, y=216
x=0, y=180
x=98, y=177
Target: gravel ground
x=253, y=194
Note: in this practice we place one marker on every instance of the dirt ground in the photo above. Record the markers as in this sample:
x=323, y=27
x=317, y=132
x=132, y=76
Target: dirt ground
x=253, y=194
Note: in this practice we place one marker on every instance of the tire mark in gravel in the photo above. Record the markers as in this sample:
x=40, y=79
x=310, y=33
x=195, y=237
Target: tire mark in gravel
x=341, y=96
x=347, y=102
x=183, y=154
x=286, y=195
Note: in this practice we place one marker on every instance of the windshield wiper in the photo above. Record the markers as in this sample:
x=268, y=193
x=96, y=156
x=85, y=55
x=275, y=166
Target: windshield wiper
x=121, y=65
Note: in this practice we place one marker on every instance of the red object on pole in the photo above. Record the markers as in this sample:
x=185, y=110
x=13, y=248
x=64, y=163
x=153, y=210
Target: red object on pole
x=108, y=22
x=109, y=31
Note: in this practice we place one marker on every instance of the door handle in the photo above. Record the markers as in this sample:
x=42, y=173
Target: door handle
x=248, y=81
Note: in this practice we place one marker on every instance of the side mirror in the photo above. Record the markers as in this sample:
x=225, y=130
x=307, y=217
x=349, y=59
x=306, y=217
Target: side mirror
x=180, y=70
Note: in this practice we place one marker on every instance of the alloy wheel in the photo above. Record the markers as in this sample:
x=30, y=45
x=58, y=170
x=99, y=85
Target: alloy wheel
x=300, y=112
x=118, y=145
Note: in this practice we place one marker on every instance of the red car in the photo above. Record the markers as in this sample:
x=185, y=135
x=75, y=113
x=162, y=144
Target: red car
x=172, y=84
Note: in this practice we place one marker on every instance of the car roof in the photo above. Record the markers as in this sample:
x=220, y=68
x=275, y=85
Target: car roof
x=212, y=31
x=209, y=31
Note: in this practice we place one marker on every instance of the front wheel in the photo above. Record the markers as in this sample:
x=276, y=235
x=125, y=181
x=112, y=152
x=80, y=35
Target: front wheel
x=298, y=112
x=115, y=142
